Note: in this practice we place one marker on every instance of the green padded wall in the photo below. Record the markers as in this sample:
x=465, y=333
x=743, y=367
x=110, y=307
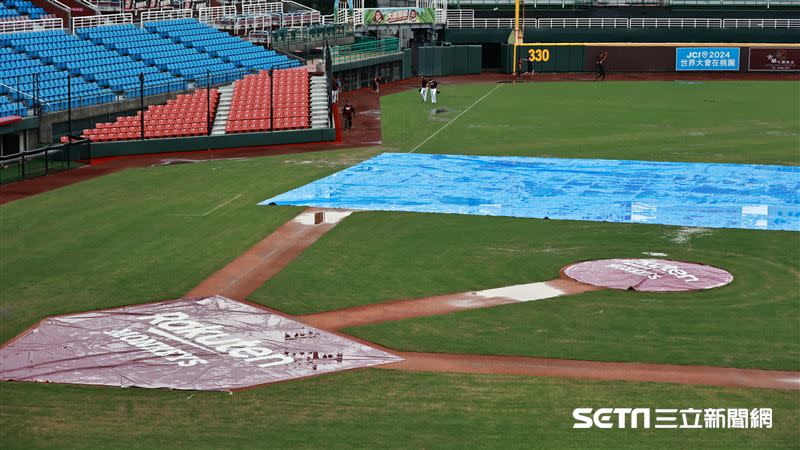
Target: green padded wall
x=451, y=60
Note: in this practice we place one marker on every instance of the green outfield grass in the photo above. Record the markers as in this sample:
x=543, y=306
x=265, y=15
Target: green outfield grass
x=377, y=409
x=139, y=235
x=151, y=234
x=724, y=121
x=381, y=256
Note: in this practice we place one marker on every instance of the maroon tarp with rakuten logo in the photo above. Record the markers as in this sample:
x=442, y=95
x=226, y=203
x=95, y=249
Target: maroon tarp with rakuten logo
x=212, y=343
x=653, y=275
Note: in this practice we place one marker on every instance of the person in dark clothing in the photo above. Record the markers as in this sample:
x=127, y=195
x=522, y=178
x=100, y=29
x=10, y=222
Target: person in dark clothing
x=434, y=88
x=423, y=90
x=519, y=68
x=376, y=84
x=348, y=112
x=601, y=66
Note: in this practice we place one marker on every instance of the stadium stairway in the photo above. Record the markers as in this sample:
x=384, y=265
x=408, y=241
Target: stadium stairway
x=319, y=102
x=78, y=8
x=223, y=108
x=52, y=10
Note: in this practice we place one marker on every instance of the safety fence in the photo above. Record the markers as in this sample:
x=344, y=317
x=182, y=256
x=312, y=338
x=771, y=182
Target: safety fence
x=622, y=3
x=283, y=37
x=364, y=50
x=465, y=18
x=44, y=161
x=21, y=26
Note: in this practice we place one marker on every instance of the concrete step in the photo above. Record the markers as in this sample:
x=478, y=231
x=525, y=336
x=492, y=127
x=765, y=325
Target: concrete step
x=319, y=102
x=223, y=110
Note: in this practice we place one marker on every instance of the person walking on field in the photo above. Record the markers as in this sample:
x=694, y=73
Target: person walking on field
x=423, y=90
x=434, y=87
x=348, y=112
x=601, y=66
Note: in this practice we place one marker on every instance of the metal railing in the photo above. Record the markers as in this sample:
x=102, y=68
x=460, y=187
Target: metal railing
x=20, y=26
x=43, y=161
x=583, y=22
x=734, y=3
x=216, y=14
x=101, y=20
x=675, y=23
x=99, y=6
x=529, y=3
x=157, y=15
x=761, y=23
x=287, y=37
x=616, y=3
x=261, y=7
x=364, y=50
x=628, y=2
x=466, y=19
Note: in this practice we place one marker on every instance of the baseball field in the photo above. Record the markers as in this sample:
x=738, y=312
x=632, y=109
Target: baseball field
x=154, y=233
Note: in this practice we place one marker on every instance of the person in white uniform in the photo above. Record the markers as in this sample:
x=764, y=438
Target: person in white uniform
x=434, y=88
x=423, y=90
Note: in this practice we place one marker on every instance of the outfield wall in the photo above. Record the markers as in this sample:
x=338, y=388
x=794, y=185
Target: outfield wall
x=495, y=55
x=451, y=60
x=632, y=57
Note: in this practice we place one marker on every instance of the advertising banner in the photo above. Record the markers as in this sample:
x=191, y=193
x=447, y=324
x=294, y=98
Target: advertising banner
x=774, y=60
x=391, y=16
x=706, y=58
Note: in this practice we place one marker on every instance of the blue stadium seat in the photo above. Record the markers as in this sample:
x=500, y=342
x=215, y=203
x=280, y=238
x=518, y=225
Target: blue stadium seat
x=105, y=62
x=162, y=53
x=244, y=54
x=22, y=8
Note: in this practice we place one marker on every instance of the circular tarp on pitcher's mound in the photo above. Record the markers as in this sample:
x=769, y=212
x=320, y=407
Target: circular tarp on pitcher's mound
x=648, y=275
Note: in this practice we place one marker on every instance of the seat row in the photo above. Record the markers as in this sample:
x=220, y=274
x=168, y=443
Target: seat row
x=253, y=110
x=186, y=115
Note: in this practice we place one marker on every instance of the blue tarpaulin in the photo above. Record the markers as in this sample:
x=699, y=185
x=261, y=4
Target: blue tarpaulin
x=688, y=194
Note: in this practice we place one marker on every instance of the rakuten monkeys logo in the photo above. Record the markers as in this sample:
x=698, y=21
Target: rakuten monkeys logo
x=177, y=327
x=211, y=343
x=648, y=275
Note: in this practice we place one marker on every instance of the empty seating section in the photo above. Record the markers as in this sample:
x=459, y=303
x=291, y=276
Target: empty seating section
x=251, y=106
x=107, y=68
x=22, y=8
x=105, y=62
x=217, y=43
x=9, y=14
x=187, y=115
x=160, y=52
x=21, y=74
x=11, y=108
